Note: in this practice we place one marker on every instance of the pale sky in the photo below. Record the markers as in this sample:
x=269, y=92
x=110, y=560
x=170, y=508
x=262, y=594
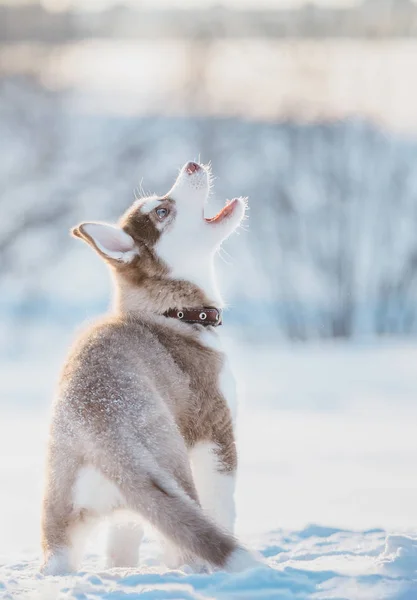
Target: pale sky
x=99, y=4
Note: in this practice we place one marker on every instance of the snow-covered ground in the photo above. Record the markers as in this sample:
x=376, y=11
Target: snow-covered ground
x=326, y=435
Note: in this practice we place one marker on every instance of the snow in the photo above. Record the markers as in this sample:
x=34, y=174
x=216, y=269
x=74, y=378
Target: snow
x=326, y=488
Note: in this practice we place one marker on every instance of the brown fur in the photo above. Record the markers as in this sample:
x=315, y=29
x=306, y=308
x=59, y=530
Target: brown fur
x=94, y=394
x=137, y=392
x=146, y=275
x=187, y=382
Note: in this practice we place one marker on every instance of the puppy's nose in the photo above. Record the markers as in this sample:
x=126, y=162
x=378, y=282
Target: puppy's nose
x=192, y=167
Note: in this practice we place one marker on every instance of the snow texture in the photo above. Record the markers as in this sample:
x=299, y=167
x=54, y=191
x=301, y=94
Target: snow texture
x=315, y=562
x=334, y=446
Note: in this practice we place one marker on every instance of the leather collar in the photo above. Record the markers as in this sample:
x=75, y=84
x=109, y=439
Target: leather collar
x=202, y=316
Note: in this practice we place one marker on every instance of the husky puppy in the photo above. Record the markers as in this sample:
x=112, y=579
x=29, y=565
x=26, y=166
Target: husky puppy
x=143, y=417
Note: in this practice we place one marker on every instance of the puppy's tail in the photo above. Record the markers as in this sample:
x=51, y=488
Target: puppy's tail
x=155, y=495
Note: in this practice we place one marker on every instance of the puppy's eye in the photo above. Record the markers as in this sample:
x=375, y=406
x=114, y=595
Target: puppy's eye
x=162, y=213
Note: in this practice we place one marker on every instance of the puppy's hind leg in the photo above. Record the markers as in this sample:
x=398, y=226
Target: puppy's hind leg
x=73, y=504
x=64, y=526
x=123, y=543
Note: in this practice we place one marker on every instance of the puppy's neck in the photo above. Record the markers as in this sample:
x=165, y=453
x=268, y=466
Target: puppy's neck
x=158, y=294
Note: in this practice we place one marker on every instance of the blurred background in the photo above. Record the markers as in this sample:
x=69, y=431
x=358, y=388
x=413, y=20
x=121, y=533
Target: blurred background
x=310, y=109
x=307, y=108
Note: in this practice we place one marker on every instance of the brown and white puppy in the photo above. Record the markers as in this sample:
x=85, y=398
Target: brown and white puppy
x=143, y=418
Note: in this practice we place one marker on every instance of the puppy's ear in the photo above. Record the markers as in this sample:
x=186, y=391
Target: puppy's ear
x=110, y=242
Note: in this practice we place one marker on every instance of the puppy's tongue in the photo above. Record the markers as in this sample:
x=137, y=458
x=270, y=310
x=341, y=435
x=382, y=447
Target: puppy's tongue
x=224, y=212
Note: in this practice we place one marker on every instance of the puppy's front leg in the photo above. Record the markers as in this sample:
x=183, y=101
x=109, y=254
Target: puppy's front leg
x=214, y=470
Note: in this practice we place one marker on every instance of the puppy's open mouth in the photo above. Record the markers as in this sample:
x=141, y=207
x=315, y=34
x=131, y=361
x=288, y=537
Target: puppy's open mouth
x=195, y=170
x=225, y=212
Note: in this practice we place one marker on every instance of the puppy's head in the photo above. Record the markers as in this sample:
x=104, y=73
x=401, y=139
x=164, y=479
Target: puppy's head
x=160, y=235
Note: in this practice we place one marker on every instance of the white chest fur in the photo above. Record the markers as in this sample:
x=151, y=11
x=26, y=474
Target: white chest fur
x=216, y=488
